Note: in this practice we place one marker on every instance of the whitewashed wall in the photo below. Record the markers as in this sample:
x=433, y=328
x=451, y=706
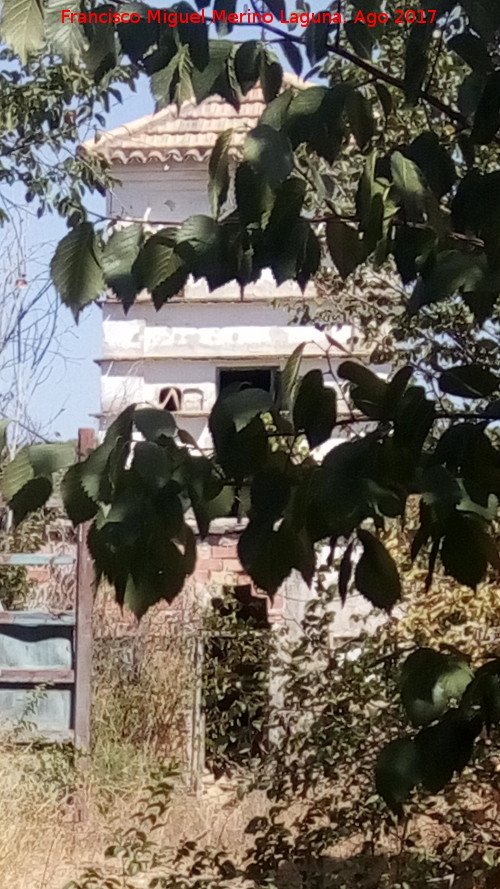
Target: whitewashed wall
x=185, y=343
x=163, y=193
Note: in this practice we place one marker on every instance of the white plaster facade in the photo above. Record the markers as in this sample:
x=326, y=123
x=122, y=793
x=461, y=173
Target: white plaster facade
x=161, y=167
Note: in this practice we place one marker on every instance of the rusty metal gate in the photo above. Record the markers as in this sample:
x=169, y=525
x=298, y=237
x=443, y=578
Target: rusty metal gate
x=45, y=657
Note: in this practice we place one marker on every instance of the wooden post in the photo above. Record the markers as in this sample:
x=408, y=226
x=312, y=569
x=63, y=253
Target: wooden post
x=83, y=629
x=197, y=734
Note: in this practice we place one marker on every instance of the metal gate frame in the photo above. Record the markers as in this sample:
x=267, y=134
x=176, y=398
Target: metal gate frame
x=79, y=678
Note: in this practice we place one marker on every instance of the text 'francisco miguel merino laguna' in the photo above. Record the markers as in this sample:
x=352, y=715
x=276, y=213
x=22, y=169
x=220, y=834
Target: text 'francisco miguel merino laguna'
x=172, y=19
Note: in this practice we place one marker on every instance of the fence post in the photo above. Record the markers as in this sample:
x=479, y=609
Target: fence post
x=197, y=734
x=83, y=629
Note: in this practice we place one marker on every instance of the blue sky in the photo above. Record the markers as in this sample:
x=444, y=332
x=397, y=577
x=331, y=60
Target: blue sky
x=71, y=393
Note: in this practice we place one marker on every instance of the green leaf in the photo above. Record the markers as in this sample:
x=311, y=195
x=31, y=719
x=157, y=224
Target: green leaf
x=122, y=525
x=158, y=268
x=16, y=474
x=92, y=480
x=76, y=268
x=270, y=556
x=469, y=95
x=101, y=56
x=255, y=198
x=343, y=491
x=165, y=81
x=218, y=171
x=30, y=497
x=385, y=99
x=270, y=492
x=316, y=40
x=194, y=35
x=484, y=692
x=397, y=773
x=22, y=27
x=315, y=409
x=292, y=55
x=315, y=116
x=487, y=116
x=297, y=256
x=275, y=113
x=451, y=273
x=35, y=461
x=201, y=245
x=78, y=505
x=137, y=38
x=446, y=748
x=345, y=572
x=344, y=246
x=359, y=35
x=213, y=78
x=369, y=392
x=468, y=381
x=440, y=490
x=234, y=409
x=118, y=255
x=417, y=47
x=360, y=114
x=467, y=549
x=434, y=161
x=430, y=680
x=376, y=576
x=66, y=39
x=49, y=458
x=277, y=7
x=411, y=247
x=240, y=440
x=289, y=379
x=271, y=75
x=152, y=463
x=160, y=574
x=155, y=425
x=472, y=50
x=228, y=6
x=4, y=425
x=269, y=154
x=410, y=185
x=247, y=64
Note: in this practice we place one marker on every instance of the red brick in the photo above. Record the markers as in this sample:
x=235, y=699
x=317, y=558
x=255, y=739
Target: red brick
x=213, y=565
x=232, y=565
x=223, y=578
x=201, y=576
x=204, y=551
x=245, y=580
x=227, y=542
x=226, y=551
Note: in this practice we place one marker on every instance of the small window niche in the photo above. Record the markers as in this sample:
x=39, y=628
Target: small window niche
x=170, y=398
x=192, y=401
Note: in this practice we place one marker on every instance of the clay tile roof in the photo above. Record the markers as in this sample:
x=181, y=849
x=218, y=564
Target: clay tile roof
x=175, y=135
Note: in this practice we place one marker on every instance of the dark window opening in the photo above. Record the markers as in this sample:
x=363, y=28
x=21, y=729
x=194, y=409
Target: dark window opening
x=249, y=608
x=236, y=680
x=170, y=398
x=257, y=377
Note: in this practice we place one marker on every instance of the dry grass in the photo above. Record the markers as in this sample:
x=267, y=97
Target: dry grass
x=56, y=818
x=140, y=712
x=43, y=844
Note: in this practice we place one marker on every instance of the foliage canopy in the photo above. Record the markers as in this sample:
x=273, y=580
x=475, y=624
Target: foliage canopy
x=390, y=163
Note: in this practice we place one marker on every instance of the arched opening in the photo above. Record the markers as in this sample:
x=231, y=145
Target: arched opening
x=170, y=398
